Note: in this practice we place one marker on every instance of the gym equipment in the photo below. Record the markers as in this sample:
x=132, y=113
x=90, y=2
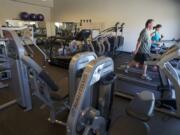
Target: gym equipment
x=90, y=112
x=47, y=91
x=139, y=112
x=20, y=81
x=163, y=47
x=77, y=64
x=40, y=17
x=102, y=46
x=61, y=57
x=117, y=39
x=58, y=54
x=18, y=73
x=168, y=102
x=98, y=48
x=29, y=44
x=109, y=41
x=5, y=71
x=137, y=84
x=133, y=77
x=24, y=16
x=29, y=78
x=82, y=110
x=33, y=17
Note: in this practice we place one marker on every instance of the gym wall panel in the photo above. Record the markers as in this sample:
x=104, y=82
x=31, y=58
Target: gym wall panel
x=133, y=12
x=11, y=9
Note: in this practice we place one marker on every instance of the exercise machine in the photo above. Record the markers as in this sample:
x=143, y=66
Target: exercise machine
x=84, y=99
x=91, y=109
x=163, y=48
x=30, y=79
x=60, y=58
x=168, y=100
x=134, y=77
x=5, y=71
x=18, y=72
x=115, y=37
x=102, y=46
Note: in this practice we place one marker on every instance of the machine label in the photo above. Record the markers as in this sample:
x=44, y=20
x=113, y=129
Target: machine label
x=80, y=90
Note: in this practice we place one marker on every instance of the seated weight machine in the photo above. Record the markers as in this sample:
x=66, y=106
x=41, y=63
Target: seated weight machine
x=91, y=109
x=30, y=79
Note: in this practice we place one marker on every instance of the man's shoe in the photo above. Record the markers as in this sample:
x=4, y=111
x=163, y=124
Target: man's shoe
x=146, y=78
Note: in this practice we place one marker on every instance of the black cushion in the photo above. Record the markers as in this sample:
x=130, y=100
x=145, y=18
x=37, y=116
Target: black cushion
x=142, y=106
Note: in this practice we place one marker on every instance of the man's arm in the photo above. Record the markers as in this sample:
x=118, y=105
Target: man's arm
x=137, y=46
x=140, y=39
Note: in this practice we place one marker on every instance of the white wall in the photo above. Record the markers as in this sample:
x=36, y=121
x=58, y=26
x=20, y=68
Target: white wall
x=133, y=12
x=11, y=9
x=44, y=3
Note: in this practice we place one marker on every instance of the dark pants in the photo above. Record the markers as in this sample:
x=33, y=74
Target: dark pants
x=141, y=58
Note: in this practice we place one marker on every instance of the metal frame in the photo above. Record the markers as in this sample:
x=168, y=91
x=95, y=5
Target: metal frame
x=167, y=73
x=26, y=80
x=78, y=62
x=94, y=71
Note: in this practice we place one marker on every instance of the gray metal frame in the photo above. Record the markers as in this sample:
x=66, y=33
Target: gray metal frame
x=78, y=62
x=4, y=63
x=5, y=69
x=20, y=79
x=167, y=73
x=94, y=71
x=26, y=72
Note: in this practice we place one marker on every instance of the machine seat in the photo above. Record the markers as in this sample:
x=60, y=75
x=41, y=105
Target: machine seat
x=129, y=126
x=142, y=106
x=48, y=80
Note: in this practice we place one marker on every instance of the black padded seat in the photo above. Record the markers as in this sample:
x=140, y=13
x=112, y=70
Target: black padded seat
x=129, y=126
x=142, y=106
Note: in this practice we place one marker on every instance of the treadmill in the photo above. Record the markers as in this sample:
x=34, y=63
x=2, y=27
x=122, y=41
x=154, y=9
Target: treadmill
x=170, y=81
x=64, y=60
x=133, y=77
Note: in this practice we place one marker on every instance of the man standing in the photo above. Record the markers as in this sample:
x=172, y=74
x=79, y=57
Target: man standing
x=143, y=48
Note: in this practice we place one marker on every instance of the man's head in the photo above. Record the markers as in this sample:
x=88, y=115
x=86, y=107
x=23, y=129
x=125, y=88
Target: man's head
x=149, y=24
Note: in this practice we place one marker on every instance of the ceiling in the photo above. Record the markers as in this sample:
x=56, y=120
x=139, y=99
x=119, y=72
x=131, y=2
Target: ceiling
x=45, y=3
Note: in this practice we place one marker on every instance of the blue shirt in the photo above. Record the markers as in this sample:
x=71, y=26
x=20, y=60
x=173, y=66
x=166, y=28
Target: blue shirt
x=156, y=38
